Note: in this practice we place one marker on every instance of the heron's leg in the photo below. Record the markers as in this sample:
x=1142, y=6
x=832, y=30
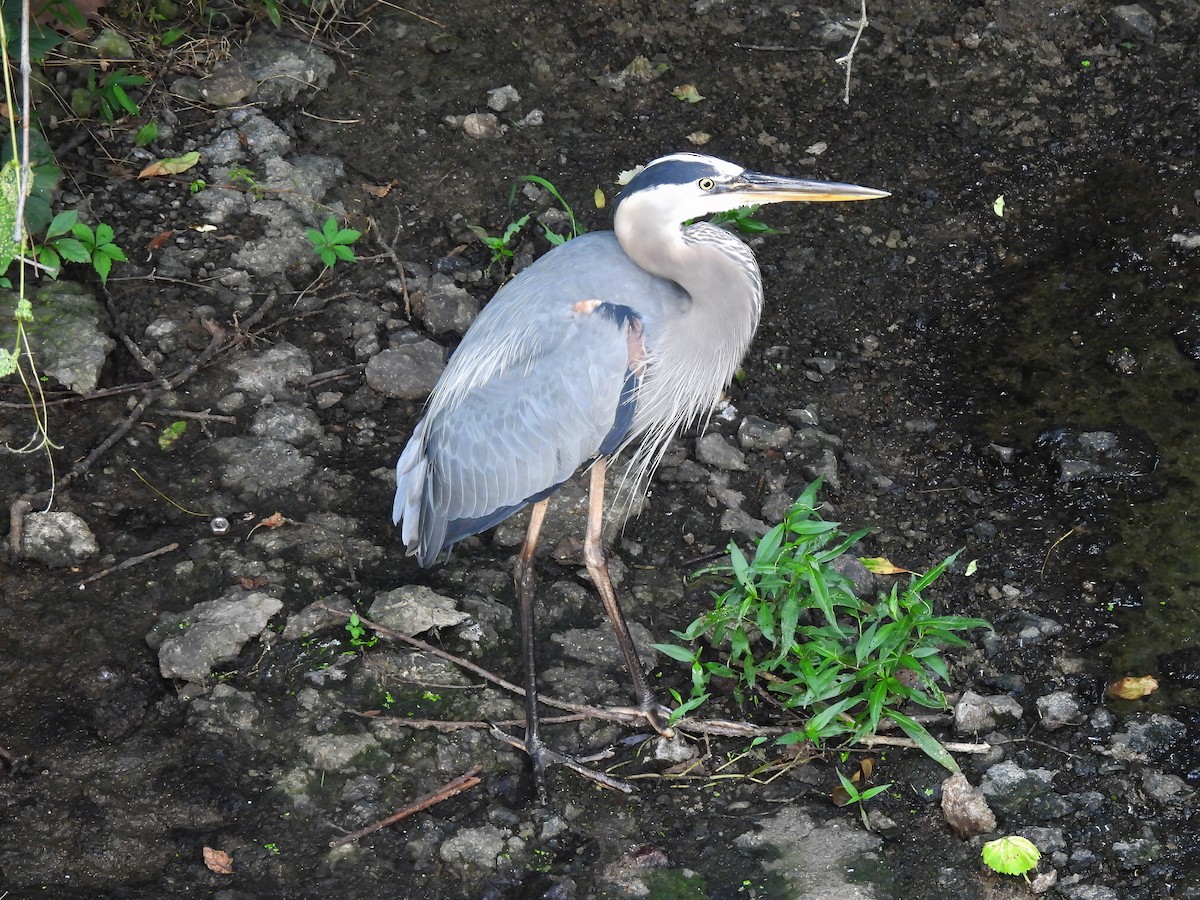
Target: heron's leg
x=596, y=559
x=525, y=579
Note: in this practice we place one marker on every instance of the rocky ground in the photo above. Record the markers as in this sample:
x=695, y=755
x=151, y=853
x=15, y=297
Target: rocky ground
x=1021, y=385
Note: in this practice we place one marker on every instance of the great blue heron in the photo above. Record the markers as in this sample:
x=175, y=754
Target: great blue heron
x=611, y=339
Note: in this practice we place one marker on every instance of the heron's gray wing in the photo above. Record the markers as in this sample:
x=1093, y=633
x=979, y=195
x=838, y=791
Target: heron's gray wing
x=487, y=449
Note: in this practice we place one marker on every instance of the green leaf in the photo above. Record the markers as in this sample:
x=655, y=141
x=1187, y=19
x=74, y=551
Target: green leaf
x=171, y=36
x=1011, y=855
x=681, y=654
x=62, y=223
x=146, y=135
x=10, y=190
x=104, y=233
x=923, y=739
x=347, y=236
x=102, y=264
x=113, y=252
x=344, y=252
x=72, y=251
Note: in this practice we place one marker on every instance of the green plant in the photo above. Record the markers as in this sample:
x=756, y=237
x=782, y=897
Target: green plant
x=357, y=632
x=71, y=240
x=499, y=244
x=332, y=243
x=854, y=795
x=110, y=95
x=553, y=236
x=743, y=219
x=242, y=175
x=793, y=633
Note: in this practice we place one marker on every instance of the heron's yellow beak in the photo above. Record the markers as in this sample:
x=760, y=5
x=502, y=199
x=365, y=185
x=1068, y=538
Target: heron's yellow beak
x=759, y=188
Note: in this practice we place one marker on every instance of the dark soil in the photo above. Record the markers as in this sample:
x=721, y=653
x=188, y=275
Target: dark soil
x=957, y=337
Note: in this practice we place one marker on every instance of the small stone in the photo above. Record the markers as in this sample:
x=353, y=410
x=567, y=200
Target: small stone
x=228, y=85
x=336, y=752
x=976, y=713
x=759, y=434
x=213, y=632
x=112, y=45
x=480, y=847
x=966, y=811
x=272, y=370
x=1136, y=21
x=501, y=98
x=408, y=372
x=414, y=609
x=1164, y=788
x=481, y=126
x=58, y=539
x=714, y=449
x=446, y=307
x=259, y=467
x=1059, y=709
x=287, y=423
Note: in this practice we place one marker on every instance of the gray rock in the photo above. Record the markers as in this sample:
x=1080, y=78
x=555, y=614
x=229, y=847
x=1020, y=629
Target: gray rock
x=714, y=449
x=1008, y=786
x=284, y=422
x=164, y=334
x=283, y=68
x=738, y=521
x=1119, y=454
x=112, y=45
x=446, y=307
x=272, y=370
x=261, y=136
x=1058, y=709
x=229, y=84
x=190, y=643
x=481, y=126
x=68, y=333
x=1137, y=853
x=833, y=861
x=1135, y=21
x=501, y=98
x=413, y=609
x=966, y=811
x=58, y=539
x=339, y=752
x=408, y=372
x=975, y=713
x=759, y=434
x=1156, y=733
x=1089, y=892
x=480, y=847
x=598, y=646
x=258, y=467
x=1166, y=789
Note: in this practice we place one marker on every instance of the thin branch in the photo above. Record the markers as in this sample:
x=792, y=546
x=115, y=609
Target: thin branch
x=463, y=782
x=129, y=563
x=847, y=61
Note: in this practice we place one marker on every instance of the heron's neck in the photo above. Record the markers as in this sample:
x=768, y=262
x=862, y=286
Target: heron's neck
x=702, y=345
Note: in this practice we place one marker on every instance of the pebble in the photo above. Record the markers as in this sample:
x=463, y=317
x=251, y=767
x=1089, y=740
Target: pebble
x=975, y=713
x=481, y=126
x=501, y=98
x=713, y=449
x=408, y=372
x=1058, y=709
x=58, y=539
x=190, y=643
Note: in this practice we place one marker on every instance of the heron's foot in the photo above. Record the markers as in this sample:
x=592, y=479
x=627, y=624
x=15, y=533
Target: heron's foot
x=542, y=756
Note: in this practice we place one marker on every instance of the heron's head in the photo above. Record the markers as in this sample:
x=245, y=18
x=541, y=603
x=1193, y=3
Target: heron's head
x=685, y=186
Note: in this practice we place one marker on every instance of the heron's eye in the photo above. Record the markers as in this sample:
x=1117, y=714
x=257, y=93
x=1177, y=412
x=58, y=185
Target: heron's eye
x=707, y=184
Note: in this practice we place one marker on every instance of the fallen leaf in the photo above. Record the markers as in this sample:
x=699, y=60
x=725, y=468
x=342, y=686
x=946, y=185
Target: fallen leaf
x=272, y=521
x=252, y=583
x=599, y=199
x=880, y=565
x=204, y=229
x=380, y=190
x=158, y=240
x=1011, y=855
x=998, y=206
x=218, y=861
x=840, y=796
x=688, y=93
x=1132, y=687
x=172, y=165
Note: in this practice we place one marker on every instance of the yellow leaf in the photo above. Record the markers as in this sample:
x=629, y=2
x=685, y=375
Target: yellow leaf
x=599, y=199
x=1132, y=687
x=880, y=565
x=172, y=165
x=688, y=93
